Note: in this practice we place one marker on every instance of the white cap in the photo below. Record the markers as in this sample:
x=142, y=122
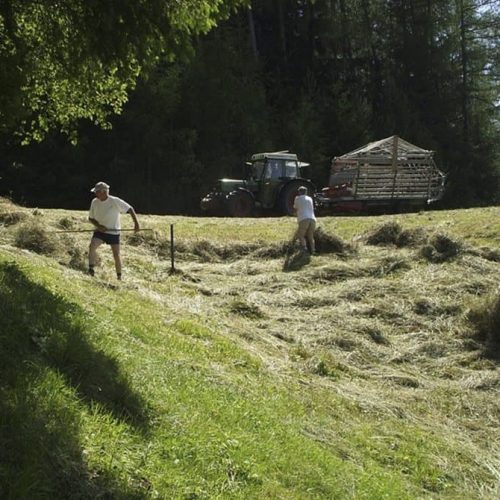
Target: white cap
x=100, y=186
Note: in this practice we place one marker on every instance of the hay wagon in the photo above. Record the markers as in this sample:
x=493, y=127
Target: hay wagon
x=389, y=174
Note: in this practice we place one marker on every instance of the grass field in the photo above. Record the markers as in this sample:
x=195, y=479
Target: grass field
x=368, y=371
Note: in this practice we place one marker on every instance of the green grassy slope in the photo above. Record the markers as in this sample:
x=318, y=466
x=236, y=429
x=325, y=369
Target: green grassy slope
x=242, y=376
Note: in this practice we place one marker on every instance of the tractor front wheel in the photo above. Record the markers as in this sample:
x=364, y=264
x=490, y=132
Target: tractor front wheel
x=240, y=204
x=213, y=204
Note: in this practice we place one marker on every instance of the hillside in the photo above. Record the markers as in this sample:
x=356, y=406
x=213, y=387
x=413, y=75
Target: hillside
x=368, y=371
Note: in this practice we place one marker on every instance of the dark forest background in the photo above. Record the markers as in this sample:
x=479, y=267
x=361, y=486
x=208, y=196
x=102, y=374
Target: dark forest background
x=316, y=78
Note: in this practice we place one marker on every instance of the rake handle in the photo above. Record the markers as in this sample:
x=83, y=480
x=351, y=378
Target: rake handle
x=93, y=230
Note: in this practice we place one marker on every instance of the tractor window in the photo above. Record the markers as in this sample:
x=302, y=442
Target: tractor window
x=291, y=169
x=274, y=169
x=257, y=169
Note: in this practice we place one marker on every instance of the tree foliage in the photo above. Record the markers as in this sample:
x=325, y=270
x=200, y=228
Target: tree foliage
x=64, y=61
x=315, y=77
x=423, y=69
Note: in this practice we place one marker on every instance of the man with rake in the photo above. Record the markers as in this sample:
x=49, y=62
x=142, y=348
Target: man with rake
x=104, y=214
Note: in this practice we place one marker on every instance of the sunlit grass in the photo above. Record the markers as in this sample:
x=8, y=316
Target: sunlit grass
x=356, y=375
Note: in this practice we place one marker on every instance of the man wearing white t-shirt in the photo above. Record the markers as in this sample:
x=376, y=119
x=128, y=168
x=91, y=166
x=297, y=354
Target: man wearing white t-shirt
x=304, y=208
x=105, y=213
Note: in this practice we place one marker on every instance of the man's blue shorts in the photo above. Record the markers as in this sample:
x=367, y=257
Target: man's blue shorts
x=110, y=239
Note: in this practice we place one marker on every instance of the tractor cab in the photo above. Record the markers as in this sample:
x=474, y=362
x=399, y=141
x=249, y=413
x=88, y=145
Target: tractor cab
x=270, y=172
x=275, y=166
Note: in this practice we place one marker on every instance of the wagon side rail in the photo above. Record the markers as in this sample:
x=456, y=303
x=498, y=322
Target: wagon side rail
x=416, y=180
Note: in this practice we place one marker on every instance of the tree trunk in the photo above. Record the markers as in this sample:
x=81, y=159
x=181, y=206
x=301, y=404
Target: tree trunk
x=375, y=64
x=149, y=181
x=464, y=68
x=282, y=31
x=251, y=28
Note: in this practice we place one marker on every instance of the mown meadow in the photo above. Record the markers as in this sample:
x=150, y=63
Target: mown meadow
x=252, y=371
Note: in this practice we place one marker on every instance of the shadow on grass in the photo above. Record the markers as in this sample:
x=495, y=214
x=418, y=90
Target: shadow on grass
x=296, y=259
x=45, y=360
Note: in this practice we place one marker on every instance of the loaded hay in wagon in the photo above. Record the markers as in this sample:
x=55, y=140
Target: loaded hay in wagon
x=389, y=174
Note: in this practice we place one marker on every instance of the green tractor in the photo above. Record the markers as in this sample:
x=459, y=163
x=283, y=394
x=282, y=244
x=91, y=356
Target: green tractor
x=272, y=182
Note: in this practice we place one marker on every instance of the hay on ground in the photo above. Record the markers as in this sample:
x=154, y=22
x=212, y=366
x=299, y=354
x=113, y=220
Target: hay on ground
x=491, y=254
x=153, y=241
x=389, y=265
x=10, y=213
x=208, y=251
x=441, y=248
x=78, y=259
x=411, y=237
x=484, y=317
x=12, y=218
x=34, y=238
x=147, y=238
x=67, y=223
x=296, y=260
x=330, y=243
x=384, y=234
x=275, y=251
x=246, y=309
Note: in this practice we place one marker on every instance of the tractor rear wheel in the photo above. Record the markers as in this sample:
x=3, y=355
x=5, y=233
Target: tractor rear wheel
x=288, y=194
x=240, y=204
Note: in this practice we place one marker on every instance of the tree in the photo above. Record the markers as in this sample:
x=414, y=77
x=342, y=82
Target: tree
x=64, y=61
x=316, y=77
